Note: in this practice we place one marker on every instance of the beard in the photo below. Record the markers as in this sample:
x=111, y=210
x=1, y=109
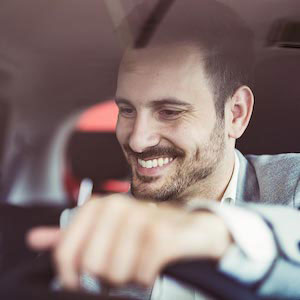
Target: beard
x=188, y=171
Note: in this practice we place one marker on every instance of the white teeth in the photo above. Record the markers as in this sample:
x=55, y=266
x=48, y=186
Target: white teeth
x=142, y=163
x=160, y=162
x=154, y=162
x=149, y=164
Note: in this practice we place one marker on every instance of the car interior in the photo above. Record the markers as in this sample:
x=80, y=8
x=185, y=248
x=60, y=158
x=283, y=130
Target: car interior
x=58, y=69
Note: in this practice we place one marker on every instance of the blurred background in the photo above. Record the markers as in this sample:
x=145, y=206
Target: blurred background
x=58, y=69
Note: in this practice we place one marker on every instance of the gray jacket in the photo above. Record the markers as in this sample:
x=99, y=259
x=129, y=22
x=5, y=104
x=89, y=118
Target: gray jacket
x=275, y=179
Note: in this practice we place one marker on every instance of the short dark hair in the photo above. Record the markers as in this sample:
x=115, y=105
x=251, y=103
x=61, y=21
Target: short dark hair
x=225, y=41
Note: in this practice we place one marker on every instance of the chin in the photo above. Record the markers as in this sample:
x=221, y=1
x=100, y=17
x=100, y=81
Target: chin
x=153, y=191
x=161, y=188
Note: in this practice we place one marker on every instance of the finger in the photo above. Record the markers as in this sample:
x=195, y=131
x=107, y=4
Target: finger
x=160, y=244
x=68, y=252
x=126, y=248
x=43, y=238
x=158, y=248
x=96, y=256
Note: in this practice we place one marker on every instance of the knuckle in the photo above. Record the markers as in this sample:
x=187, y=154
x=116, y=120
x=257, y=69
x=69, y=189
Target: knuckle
x=145, y=279
x=156, y=232
x=115, y=202
x=153, y=232
x=117, y=279
x=92, y=268
x=158, y=241
x=137, y=219
x=58, y=256
x=62, y=259
x=90, y=205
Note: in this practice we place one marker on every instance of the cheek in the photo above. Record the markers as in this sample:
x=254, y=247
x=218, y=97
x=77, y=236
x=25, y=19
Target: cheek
x=190, y=137
x=123, y=130
x=182, y=136
x=120, y=132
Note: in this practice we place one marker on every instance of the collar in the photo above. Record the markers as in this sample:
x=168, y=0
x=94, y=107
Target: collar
x=230, y=192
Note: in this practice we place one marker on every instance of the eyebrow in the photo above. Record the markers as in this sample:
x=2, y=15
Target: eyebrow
x=155, y=103
x=122, y=101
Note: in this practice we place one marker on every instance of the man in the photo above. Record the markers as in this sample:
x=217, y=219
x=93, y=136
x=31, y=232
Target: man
x=183, y=101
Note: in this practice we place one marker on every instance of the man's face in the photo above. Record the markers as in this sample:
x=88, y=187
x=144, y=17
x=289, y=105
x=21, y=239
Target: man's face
x=167, y=123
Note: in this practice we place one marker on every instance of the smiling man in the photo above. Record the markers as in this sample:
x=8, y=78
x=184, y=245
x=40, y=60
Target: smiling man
x=177, y=144
x=183, y=101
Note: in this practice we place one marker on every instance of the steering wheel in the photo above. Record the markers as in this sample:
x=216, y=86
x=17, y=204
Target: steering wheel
x=31, y=280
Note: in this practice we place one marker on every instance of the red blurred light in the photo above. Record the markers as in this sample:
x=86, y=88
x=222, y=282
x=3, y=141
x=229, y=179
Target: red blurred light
x=101, y=117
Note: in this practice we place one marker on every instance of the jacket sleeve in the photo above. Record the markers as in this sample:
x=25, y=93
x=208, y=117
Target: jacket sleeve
x=283, y=277
x=265, y=255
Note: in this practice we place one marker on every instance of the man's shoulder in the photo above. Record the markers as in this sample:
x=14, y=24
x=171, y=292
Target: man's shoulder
x=277, y=175
x=276, y=178
x=281, y=166
x=284, y=160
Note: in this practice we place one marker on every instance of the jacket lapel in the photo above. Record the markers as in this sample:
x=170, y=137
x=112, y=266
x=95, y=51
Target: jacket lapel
x=248, y=187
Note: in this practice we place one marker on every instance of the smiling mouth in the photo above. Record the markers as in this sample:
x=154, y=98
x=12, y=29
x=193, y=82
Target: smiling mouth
x=154, y=163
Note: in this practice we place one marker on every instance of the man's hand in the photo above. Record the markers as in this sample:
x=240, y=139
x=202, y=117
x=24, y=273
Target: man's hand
x=122, y=240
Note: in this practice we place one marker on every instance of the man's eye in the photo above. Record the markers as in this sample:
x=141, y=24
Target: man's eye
x=169, y=114
x=126, y=111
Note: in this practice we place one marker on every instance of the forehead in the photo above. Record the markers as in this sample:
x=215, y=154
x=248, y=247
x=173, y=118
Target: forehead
x=163, y=72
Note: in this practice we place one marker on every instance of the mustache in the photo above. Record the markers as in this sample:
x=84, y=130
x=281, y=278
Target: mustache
x=155, y=151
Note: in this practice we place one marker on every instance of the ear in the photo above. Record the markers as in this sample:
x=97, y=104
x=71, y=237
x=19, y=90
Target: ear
x=239, y=110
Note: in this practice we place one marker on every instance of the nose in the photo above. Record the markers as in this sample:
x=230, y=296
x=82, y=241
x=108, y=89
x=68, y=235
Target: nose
x=144, y=134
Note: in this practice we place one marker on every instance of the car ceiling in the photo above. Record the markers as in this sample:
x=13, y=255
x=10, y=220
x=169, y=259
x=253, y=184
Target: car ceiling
x=65, y=51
